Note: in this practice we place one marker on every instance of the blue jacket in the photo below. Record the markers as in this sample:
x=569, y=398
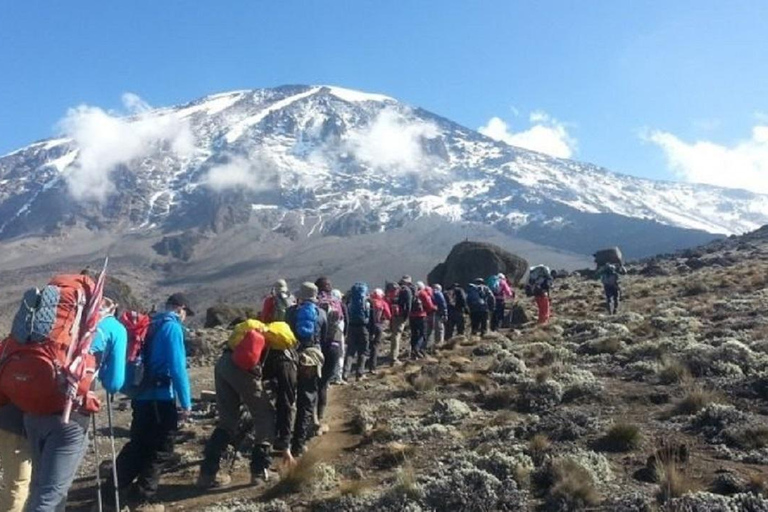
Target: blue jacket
x=440, y=302
x=111, y=344
x=166, y=361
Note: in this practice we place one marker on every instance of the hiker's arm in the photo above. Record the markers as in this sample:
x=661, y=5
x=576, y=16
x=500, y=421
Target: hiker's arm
x=112, y=373
x=178, y=367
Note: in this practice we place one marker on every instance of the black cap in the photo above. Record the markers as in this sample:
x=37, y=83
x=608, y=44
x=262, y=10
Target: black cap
x=179, y=300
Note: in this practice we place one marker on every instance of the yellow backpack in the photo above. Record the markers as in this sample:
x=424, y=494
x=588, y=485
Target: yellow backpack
x=241, y=329
x=280, y=336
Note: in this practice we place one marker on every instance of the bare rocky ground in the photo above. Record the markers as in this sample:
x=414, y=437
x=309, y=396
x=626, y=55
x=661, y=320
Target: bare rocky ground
x=662, y=407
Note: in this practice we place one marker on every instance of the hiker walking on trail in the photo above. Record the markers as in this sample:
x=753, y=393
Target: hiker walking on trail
x=421, y=306
x=238, y=381
x=539, y=286
x=399, y=298
x=15, y=459
x=481, y=302
x=332, y=345
x=58, y=448
x=501, y=293
x=456, y=302
x=340, y=337
x=360, y=319
x=609, y=275
x=310, y=325
x=437, y=319
x=381, y=314
x=155, y=418
x=277, y=303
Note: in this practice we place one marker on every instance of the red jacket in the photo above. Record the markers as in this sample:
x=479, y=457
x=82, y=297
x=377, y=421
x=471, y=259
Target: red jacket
x=427, y=303
x=380, y=304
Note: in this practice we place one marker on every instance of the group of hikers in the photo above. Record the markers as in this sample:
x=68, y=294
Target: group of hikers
x=278, y=366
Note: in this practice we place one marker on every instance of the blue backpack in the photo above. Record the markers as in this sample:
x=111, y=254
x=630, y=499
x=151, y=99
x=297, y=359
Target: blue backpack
x=475, y=299
x=359, y=310
x=306, y=321
x=494, y=283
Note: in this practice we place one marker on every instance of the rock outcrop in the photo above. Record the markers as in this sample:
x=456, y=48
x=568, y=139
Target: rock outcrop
x=469, y=260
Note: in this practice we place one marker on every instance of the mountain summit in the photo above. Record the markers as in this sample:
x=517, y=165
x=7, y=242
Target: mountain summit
x=310, y=161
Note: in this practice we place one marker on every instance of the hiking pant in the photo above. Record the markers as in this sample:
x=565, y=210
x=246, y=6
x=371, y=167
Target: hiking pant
x=429, y=327
x=236, y=387
x=438, y=330
x=479, y=322
x=357, y=349
x=338, y=367
x=397, y=327
x=455, y=323
x=543, y=303
x=418, y=328
x=498, y=314
x=307, y=385
x=285, y=401
x=153, y=427
x=612, y=298
x=373, y=347
x=16, y=461
x=57, y=449
x=332, y=355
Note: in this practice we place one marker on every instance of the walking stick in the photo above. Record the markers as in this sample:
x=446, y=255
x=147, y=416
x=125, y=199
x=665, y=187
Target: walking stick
x=114, y=454
x=98, y=463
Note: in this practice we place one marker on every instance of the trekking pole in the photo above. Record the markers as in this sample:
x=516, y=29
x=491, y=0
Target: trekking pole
x=114, y=454
x=98, y=464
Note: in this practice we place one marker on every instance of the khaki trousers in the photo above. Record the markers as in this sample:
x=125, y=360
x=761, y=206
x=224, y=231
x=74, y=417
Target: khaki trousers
x=16, y=461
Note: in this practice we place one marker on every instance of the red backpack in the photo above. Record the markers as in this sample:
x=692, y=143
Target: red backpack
x=42, y=356
x=251, y=350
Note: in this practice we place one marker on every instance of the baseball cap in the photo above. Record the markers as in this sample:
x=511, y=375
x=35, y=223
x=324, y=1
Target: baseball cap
x=180, y=300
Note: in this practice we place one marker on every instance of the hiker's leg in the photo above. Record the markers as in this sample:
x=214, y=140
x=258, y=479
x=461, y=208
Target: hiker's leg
x=331, y=354
x=339, y=365
x=130, y=460
x=429, y=326
x=460, y=323
x=450, y=325
x=373, y=360
x=483, y=323
x=285, y=403
x=263, y=414
x=63, y=448
x=306, y=399
x=349, y=357
x=397, y=327
x=16, y=461
x=228, y=408
x=362, y=351
x=159, y=443
x=439, y=331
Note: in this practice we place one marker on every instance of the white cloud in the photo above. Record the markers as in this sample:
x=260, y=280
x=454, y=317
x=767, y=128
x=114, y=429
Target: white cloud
x=392, y=143
x=546, y=135
x=107, y=140
x=742, y=165
x=253, y=173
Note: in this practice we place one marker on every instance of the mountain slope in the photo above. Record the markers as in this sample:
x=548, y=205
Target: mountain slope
x=354, y=163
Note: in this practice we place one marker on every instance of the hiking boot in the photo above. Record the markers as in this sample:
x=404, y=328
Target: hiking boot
x=148, y=506
x=217, y=481
x=260, y=476
x=298, y=451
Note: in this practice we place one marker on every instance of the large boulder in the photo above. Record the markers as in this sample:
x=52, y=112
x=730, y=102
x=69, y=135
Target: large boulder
x=612, y=255
x=469, y=260
x=120, y=292
x=224, y=314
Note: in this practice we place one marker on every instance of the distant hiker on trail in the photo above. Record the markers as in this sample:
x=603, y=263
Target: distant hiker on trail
x=400, y=299
x=277, y=303
x=381, y=315
x=57, y=448
x=421, y=307
x=480, y=302
x=334, y=346
x=155, y=416
x=360, y=318
x=437, y=319
x=15, y=459
x=238, y=381
x=609, y=275
x=310, y=325
x=341, y=336
x=456, y=300
x=501, y=293
x=539, y=286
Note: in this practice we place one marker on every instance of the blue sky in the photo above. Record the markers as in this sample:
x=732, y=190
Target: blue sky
x=669, y=90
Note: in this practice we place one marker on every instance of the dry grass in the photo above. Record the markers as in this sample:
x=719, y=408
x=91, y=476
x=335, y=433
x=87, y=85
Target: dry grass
x=605, y=346
x=758, y=484
x=694, y=399
x=294, y=477
x=538, y=447
x=751, y=438
x=572, y=487
x=673, y=371
x=423, y=383
x=622, y=437
x=502, y=398
x=674, y=480
x=505, y=417
x=473, y=381
x=394, y=454
x=355, y=487
x=406, y=483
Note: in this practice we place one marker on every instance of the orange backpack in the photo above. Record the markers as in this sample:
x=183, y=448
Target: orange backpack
x=35, y=358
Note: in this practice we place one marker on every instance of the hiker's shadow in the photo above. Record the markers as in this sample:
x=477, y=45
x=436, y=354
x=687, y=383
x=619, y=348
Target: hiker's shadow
x=119, y=432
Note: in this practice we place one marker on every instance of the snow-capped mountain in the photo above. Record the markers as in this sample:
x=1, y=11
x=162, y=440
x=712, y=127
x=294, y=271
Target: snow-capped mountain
x=320, y=160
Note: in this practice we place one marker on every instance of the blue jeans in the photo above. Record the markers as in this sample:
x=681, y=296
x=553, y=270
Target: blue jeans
x=57, y=450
